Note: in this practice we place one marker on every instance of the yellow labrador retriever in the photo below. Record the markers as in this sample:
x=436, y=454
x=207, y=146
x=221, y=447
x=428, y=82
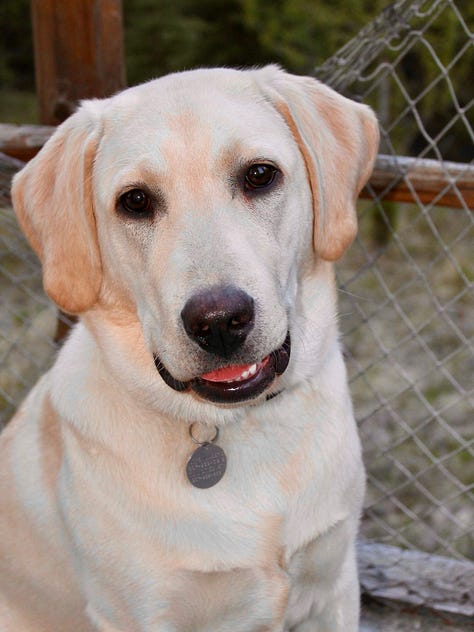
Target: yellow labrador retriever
x=191, y=462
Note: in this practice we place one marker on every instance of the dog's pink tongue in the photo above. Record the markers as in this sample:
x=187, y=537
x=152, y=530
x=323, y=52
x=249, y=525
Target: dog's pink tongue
x=227, y=373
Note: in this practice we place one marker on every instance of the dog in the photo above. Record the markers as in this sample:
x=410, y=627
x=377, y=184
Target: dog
x=191, y=462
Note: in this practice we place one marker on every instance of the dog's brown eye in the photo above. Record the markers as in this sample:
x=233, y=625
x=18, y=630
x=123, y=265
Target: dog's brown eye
x=136, y=202
x=260, y=176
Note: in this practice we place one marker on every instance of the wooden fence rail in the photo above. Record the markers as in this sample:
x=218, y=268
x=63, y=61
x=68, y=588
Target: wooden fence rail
x=23, y=141
x=396, y=178
x=404, y=179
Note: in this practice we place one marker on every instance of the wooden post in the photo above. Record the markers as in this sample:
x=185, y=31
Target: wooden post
x=79, y=54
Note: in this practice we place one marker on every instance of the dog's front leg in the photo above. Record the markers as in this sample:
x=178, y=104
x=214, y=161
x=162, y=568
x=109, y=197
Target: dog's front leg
x=326, y=591
x=340, y=613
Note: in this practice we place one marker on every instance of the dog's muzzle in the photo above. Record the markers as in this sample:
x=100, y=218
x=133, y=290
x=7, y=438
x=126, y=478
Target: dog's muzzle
x=218, y=319
x=234, y=383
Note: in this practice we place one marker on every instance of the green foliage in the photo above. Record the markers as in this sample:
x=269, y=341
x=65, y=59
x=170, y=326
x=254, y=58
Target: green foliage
x=16, y=47
x=422, y=91
x=451, y=72
x=18, y=106
x=165, y=35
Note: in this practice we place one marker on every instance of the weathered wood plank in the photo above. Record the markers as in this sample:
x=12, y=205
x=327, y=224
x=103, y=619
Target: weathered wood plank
x=413, y=577
x=404, y=179
x=78, y=53
x=23, y=141
x=384, y=615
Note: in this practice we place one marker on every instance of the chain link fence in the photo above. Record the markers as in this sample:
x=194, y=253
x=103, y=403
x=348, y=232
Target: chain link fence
x=406, y=308
x=27, y=317
x=406, y=291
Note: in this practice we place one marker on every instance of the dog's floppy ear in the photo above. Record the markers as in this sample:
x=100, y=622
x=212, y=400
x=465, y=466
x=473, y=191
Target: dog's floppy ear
x=52, y=197
x=338, y=139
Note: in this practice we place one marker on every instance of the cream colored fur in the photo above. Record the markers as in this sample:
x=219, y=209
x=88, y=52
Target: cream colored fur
x=99, y=527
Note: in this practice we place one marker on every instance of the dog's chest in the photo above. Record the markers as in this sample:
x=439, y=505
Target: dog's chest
x=241, y=521
x=178, y=548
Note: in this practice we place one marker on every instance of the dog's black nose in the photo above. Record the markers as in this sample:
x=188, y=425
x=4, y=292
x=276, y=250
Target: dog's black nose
x=219, y=319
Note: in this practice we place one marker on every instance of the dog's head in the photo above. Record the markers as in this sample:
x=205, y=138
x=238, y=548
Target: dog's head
x=205, y=206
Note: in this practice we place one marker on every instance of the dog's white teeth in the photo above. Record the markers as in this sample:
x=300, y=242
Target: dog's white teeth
x=252, y=370
x=248, y=373
x=244, y=375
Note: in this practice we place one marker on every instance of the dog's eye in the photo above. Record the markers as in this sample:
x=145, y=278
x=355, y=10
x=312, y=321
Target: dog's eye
x=259, y=176
x=136, y=202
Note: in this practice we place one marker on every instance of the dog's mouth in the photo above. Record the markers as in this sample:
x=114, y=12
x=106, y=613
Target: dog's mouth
x=235, y=383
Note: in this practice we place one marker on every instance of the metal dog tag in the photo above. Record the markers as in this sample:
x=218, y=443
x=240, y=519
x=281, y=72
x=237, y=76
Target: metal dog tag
x=206, y=466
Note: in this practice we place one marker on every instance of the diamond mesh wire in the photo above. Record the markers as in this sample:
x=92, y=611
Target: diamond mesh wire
x=406, y=289
x=27, y=318
x=406, y=305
